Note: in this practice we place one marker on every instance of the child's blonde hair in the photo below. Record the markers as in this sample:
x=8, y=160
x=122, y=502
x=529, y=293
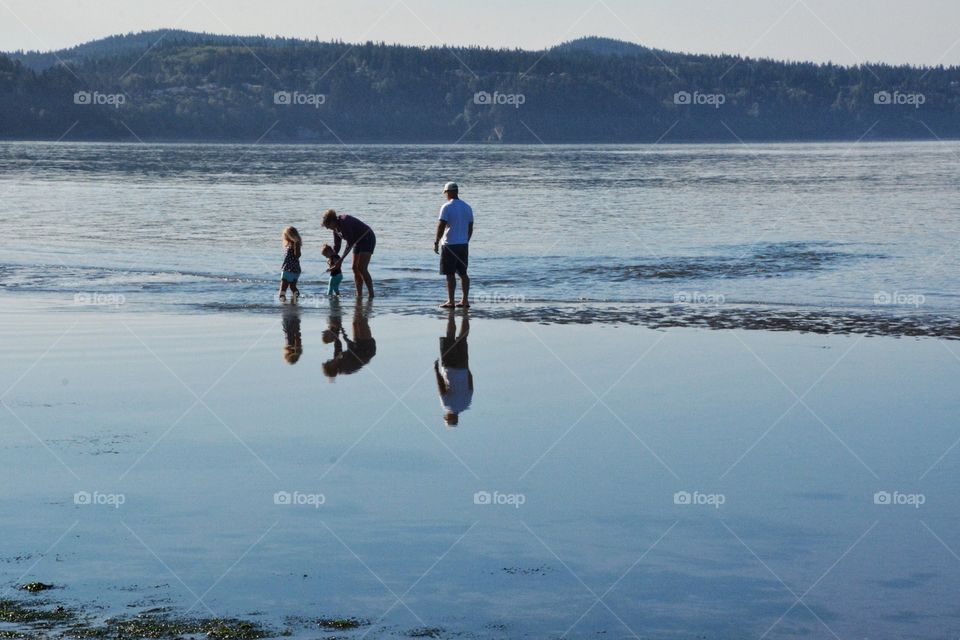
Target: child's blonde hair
x=291, y=236
x=292, y=353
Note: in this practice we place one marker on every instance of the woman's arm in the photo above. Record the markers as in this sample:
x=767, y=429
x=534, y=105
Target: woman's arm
x=343, y=257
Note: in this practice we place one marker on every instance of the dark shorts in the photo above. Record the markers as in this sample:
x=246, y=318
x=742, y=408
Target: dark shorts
x=357, y=354
x=454, y=259
x=366, y=244
x=454, y=353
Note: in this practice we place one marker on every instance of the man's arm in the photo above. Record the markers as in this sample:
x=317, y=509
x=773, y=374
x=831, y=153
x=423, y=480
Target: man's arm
x=470, y=232
x=441, y=383
x=336, y=242
x=441, y=227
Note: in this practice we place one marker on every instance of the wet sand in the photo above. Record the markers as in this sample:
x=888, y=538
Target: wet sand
x=605, y=478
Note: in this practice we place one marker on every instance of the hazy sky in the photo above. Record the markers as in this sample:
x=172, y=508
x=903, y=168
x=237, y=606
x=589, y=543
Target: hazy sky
x=844, y=31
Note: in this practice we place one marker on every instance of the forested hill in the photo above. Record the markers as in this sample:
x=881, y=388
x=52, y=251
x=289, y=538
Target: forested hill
x=177, y=85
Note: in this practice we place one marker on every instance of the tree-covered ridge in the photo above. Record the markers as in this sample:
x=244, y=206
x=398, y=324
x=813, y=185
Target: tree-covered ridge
x=200, y=87
x=138, y=42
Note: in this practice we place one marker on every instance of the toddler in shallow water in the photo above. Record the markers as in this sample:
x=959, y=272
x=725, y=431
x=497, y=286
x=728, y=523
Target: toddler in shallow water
x=336, y=274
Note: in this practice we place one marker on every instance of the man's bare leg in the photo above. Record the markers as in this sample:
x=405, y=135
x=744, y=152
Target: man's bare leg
x=465, y=286
x=451, y=290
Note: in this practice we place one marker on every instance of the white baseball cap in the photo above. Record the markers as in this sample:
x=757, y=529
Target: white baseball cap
x=450, y=186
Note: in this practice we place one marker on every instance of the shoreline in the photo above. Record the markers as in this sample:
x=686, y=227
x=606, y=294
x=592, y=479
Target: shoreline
x=727, y=316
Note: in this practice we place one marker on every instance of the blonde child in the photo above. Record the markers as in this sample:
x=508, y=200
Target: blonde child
x=291, y=262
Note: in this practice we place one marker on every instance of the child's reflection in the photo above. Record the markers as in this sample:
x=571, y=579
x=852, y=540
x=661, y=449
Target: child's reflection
x=360, y=349
x=293, y=348
x=454, y=380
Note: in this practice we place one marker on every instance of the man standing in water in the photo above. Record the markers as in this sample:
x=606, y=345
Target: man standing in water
x=454, y=231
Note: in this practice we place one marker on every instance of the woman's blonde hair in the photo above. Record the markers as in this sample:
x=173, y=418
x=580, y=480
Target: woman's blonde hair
x=328, y=218
x=291, y=236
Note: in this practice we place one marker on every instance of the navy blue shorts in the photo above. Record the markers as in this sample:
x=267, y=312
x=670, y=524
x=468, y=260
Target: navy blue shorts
x=366, y=244
x=454, y=259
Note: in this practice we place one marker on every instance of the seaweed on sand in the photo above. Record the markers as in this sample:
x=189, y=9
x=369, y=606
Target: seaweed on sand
x=163, y=627
x=36, y=587
x=37, y=614
x=66, y=623
x=341, y=624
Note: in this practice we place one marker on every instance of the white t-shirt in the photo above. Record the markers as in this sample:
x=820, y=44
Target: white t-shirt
x=458, y=215
x=459, y=395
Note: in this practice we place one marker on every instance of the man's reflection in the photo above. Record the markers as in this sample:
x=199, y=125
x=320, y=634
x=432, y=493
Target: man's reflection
x=454, y=380
x=293, y=348
x=360, y=348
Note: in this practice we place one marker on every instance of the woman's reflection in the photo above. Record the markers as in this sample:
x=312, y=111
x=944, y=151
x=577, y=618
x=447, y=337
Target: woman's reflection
x=454, y=380
x=359, y=350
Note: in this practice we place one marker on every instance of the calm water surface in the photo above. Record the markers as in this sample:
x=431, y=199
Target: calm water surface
x=817, y=228
x=671, y=473
x=607, y=478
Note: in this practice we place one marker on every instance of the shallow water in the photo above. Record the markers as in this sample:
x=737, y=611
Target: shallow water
x=146, y=362
x=584, y=435
x=866, y=230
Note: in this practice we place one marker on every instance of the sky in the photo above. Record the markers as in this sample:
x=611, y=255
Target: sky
x=841, y=31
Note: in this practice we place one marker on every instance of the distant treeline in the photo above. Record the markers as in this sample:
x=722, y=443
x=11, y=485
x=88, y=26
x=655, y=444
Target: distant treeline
x=201, y=87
